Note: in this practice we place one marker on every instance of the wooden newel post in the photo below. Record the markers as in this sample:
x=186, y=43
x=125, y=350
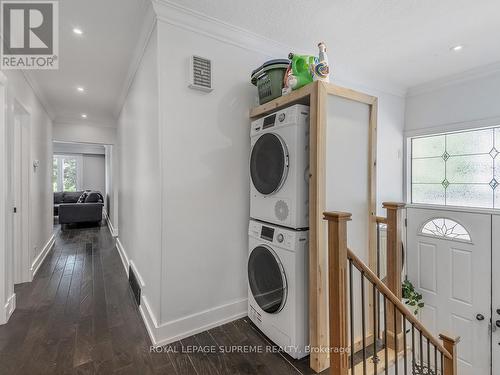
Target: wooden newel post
x=394, y=264
x=450, y=344
x=337, y=276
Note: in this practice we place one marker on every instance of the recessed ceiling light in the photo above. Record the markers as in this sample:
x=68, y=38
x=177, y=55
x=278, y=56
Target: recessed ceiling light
x=84, y=115
x=457, y=48
x=80, y=89
x=78, y=31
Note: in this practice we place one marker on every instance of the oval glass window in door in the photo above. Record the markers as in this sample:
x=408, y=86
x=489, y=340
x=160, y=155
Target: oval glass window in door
x=268, y=164
x=267, y=279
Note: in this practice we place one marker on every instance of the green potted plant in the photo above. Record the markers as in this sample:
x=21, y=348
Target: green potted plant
x=411, y=297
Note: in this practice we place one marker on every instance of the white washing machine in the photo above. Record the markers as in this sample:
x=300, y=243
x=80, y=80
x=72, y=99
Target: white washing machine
x=278, y=285
x=279, y=168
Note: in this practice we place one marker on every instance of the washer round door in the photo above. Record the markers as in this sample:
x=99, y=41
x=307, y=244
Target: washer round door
x=268, y=163
x=267, y=279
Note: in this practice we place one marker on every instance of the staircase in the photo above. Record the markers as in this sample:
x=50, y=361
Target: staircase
x=371, y=330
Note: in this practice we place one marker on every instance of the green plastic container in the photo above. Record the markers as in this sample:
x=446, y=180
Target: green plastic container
x=269, y=79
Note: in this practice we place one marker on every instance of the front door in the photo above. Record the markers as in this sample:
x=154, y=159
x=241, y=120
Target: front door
x=449, y=262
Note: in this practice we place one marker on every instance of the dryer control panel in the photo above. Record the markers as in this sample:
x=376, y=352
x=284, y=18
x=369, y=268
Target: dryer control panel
x=297, y=114
x=281, y=237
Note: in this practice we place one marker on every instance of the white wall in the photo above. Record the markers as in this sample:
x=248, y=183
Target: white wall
x=78, y=148
x=206, y=185
x=390, y=149
x=40, y=179
x=86, y=133
x=460, y=103
x=94, y=173
x=139, y=194
x=111, y=194
x=184, y=185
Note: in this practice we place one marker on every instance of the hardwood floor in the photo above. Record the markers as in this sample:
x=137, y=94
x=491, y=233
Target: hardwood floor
x=78, y=316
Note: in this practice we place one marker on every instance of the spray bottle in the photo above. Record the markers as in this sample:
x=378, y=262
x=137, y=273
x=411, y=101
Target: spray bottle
x=321, y=68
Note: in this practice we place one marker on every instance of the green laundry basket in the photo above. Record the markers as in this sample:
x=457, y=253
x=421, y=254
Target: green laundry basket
x=269, y=79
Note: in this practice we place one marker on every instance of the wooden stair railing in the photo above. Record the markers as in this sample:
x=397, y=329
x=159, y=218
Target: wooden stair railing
x=407, y=343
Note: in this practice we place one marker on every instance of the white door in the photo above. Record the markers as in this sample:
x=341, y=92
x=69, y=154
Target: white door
x=20, y=172
x=449, y=262
x=17, y=196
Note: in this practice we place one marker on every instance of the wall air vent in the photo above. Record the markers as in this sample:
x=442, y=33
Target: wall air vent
x=200, y=75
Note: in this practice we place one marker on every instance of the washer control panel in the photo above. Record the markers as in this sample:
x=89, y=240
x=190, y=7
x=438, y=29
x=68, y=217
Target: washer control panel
x=282, y=237
x=297, y=114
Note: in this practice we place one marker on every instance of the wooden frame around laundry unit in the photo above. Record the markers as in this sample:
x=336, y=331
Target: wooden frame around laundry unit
x=315, y=95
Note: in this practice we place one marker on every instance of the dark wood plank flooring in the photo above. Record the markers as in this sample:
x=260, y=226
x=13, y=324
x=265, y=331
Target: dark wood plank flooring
x=78, y=316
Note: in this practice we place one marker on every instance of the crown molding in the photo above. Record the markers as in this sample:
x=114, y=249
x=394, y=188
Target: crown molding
x=140, y=48
x=28, y=76
x=200, y=23
x=454, y=79
x=192, y=20
x=96, y=123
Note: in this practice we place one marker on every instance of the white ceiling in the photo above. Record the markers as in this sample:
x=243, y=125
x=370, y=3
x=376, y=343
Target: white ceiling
x=402, y=43
x=98, y=60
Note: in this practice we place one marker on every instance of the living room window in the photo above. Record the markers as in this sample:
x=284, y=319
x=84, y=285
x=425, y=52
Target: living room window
x=457, y=169
x=66, y=172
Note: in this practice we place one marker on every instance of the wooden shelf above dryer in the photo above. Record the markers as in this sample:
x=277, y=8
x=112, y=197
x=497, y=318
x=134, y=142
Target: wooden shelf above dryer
x=354, y=109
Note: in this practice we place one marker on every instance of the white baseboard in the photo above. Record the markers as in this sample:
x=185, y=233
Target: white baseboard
x=112, y=229
x=178, y=329
x=165, y=333
x=8, y=309
x=123, y=255
x=41, y=257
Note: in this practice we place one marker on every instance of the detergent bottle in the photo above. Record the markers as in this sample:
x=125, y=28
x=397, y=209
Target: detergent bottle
x=321, y=68
x=302, y=67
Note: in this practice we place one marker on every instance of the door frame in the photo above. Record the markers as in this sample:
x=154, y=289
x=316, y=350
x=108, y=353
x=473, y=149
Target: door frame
x=7, y=295
x=22, y=261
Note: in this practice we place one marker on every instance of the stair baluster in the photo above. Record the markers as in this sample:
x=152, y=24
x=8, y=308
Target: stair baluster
x=342, y=265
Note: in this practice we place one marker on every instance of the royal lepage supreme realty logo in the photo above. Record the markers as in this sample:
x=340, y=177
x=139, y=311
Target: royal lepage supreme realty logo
x=30, y=33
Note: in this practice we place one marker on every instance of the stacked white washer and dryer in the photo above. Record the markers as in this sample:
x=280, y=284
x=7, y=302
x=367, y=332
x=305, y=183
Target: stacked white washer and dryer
x=278, y=230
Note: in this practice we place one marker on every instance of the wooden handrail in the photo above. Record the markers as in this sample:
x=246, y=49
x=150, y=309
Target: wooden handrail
x=381, y=220
x=382, y=288
x=341, y=294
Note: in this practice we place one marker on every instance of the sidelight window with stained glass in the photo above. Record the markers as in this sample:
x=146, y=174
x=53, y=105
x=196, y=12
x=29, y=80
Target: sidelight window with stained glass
x=457, y=169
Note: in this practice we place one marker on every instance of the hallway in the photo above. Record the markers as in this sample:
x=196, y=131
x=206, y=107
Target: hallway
x=78, y=316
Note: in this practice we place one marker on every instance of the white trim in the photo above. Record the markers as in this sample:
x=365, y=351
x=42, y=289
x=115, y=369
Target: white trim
x=8, y=309
x=35, y=266
x=164, y=333
x=149, y=319
x=6, y=281
x=112, y=230
x=435, y=207
x=192, y=324
x=454, y=79
x=106, y=123
x=123, y=255
x=453, y=127
x=140, y=49
x=197, y=22
x=28, y=76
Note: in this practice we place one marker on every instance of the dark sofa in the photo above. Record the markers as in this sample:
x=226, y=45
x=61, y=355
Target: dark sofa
x=78, y=207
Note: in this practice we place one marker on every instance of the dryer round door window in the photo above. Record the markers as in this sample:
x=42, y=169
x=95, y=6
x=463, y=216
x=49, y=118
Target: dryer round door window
x=268, y=164
x=267, y=279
